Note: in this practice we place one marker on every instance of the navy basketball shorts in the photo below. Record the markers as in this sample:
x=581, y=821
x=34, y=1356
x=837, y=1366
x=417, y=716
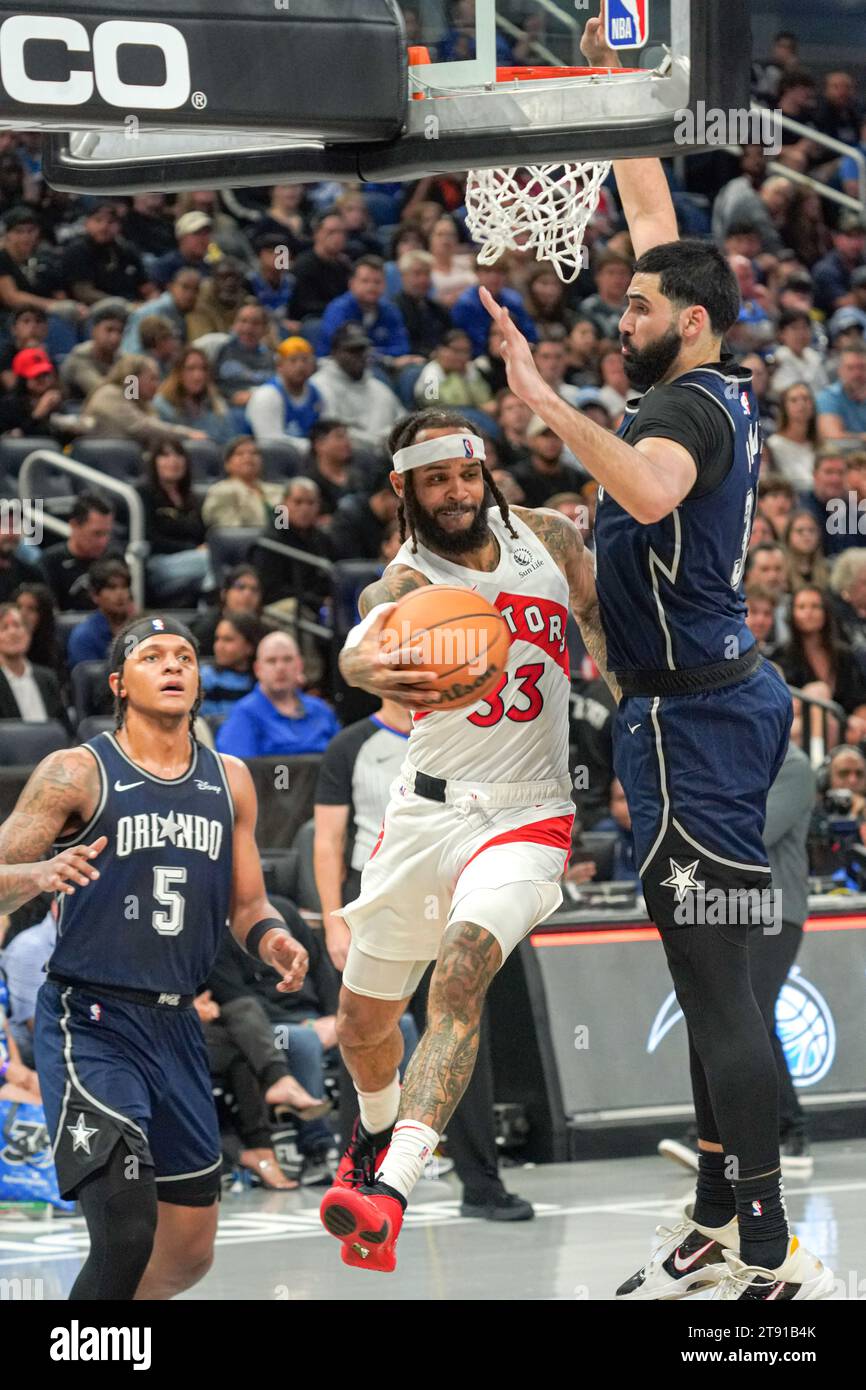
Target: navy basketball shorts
x=696, y=770
x=115, y=1071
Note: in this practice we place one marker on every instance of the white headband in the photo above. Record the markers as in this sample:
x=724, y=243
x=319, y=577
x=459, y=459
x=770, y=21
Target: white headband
x=447, y=446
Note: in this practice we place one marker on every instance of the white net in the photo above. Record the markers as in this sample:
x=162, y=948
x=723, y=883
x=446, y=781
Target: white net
x=543, y=208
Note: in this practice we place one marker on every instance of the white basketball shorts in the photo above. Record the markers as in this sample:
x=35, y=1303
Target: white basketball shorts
x=431, y=856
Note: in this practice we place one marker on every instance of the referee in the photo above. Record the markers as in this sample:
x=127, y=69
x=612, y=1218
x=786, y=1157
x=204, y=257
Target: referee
x=703, y=721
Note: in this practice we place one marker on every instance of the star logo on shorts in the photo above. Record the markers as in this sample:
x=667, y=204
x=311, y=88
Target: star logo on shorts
x=682, y=879
x=80, y=1135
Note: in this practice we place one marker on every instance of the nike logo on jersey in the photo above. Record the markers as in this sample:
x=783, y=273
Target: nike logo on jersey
x=126, y=786
x=632, y=728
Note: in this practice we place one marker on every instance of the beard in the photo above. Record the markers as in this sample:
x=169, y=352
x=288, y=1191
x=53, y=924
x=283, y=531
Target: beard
x=437, y=538
x=647, y=366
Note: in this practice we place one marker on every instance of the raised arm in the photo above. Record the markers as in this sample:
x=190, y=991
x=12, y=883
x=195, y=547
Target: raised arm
x=565, y=543
x=641, y=183
x=250, y=907
x=62, y=794
x=362, y=661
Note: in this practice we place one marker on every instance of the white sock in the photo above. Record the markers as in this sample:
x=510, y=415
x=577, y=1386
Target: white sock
x=379, y=1108
x=411, y=1146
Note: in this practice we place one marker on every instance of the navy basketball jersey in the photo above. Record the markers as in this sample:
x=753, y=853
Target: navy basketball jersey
x=671, y=593
x=154, y=917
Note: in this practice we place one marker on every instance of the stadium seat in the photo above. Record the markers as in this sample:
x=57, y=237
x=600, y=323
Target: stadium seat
x=230, y=545
x=205, y=460
x=348, y=579
x=64, y=623
x=13, y=452
x=90, y=692
x=23, y=742
x=281, y=459
x=406, y=383
x=307, y=892
x=280, y=869
x=93, y=725
x=117, y=458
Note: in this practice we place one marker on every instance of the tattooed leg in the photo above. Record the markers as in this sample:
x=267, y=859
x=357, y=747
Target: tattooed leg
x=442, y=1064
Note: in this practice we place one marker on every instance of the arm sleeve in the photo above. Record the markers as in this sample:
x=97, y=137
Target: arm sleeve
x=698, y=424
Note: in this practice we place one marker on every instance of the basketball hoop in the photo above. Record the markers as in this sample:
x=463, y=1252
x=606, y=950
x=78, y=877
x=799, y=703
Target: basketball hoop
x=544, y=208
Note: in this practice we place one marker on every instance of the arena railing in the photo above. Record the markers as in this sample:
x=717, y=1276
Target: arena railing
x=814, y=725
x=836, y=147
x=138, y=548
x=317, y=562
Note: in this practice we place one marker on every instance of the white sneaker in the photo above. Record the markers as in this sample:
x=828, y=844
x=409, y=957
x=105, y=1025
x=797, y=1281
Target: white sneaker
x=689, y=1259
x=679, y=1153
x=802, y=1275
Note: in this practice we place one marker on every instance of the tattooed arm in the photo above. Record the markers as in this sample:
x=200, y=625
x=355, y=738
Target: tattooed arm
x=60, y=797
x=368, y=666
x=565, y=543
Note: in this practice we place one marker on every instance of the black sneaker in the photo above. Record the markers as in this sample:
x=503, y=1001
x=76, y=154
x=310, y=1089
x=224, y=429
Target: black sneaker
x=503, y=1207
x=797, y=1160
x=319, y=1168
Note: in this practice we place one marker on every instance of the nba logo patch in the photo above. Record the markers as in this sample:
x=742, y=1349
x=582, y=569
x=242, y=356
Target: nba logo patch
x=757, y=1209
x=626, y=23
x=744, y=402
x=157, y=624
x=96, y=1013
x=467, y=449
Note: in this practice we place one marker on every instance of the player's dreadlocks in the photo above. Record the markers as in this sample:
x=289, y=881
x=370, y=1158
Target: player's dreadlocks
x=133, y=632
x=405, y=434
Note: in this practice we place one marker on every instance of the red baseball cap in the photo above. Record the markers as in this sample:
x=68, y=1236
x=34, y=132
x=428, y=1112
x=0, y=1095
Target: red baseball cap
x=30, y=362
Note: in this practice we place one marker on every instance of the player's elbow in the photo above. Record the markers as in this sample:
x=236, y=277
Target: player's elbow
x=648, y=510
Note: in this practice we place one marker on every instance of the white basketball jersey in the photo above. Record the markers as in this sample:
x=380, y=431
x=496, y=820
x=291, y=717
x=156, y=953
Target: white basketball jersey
x=520, y=732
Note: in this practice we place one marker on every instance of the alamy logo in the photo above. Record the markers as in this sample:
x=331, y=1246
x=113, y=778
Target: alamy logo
x=20, y=34
x=77, y=1343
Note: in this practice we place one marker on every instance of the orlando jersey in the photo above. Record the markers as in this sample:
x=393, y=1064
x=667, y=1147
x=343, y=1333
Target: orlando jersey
x=154, y=917
x=671, y=593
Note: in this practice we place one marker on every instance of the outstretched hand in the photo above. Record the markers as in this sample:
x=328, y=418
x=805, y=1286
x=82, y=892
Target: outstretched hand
x=523, y=376
x=594, y=47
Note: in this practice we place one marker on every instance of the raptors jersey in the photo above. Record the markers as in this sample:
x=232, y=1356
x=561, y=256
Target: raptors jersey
x=520, y=732
x=154, y=918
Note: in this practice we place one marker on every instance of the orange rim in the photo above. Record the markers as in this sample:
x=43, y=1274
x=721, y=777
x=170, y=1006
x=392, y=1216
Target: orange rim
x=539, y=74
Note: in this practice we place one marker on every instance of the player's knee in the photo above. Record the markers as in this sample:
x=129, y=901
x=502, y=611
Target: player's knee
x=469, y=957
x=359, y=1023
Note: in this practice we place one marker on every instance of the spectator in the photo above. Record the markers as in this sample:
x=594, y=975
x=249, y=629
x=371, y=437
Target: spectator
x=545, y=298
x=246, y=360
x=148, y=226
x=364, y=304
x=606, y=307
x=847, y=599
x=360, y=523
x=229, y=676
x=544, y=474
x=582, y=352
x=31, y=408
x=65, y=565
x=88, y=365
x=814, y=659
x=219, y=301
x=755, y=364
x=285, y=218
x=322, y=273
x=751, y=200
x=592, y=403
x=294, y=524
x=846, y=328
x=188, y=397
x=806, y=564
x=785, y=56
x=828, y=486
x=109, y=582
x=760, y=617
x=178, y=566
x=21, y=235
x=351, y=393
x=767, y=567
x=241, y=593
x=242, y=498
x=551, y=360
x=795, y=360
x=287, y=406
x=329, y=465
x=122, y=407
x=470, y=314
x=23, y=962
x=618, y=822
x=101, y=263
x=174, y=304
x=361, y=239
x=38, y=615
x=272, y=283
x=492, y=364
x=832, y=274
x=842, y=406
x=754, y=327
x=776, y=499
x=193, y=251
x=797, y=98
x=615, y=388
x=277, y=719
x=762, y=532
x=452, y=272
x=407, y=237
x=804, y=228
x=159, y=341
x=29, y=329
x=451, y=377
x=839, y=113
x=513, y=417
x=426, y=321
x=27, y=691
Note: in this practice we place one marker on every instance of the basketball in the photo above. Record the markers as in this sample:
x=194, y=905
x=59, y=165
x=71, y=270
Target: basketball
x=454, y=632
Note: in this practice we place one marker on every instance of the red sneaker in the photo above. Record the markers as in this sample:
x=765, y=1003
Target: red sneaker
x=367, y=1219
x=361, y=1158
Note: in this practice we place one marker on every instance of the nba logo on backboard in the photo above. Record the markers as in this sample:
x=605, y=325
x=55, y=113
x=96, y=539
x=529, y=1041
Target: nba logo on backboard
x=627, y=23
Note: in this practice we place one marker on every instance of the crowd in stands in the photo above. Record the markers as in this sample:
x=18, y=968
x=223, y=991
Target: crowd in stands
x=241, y=359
